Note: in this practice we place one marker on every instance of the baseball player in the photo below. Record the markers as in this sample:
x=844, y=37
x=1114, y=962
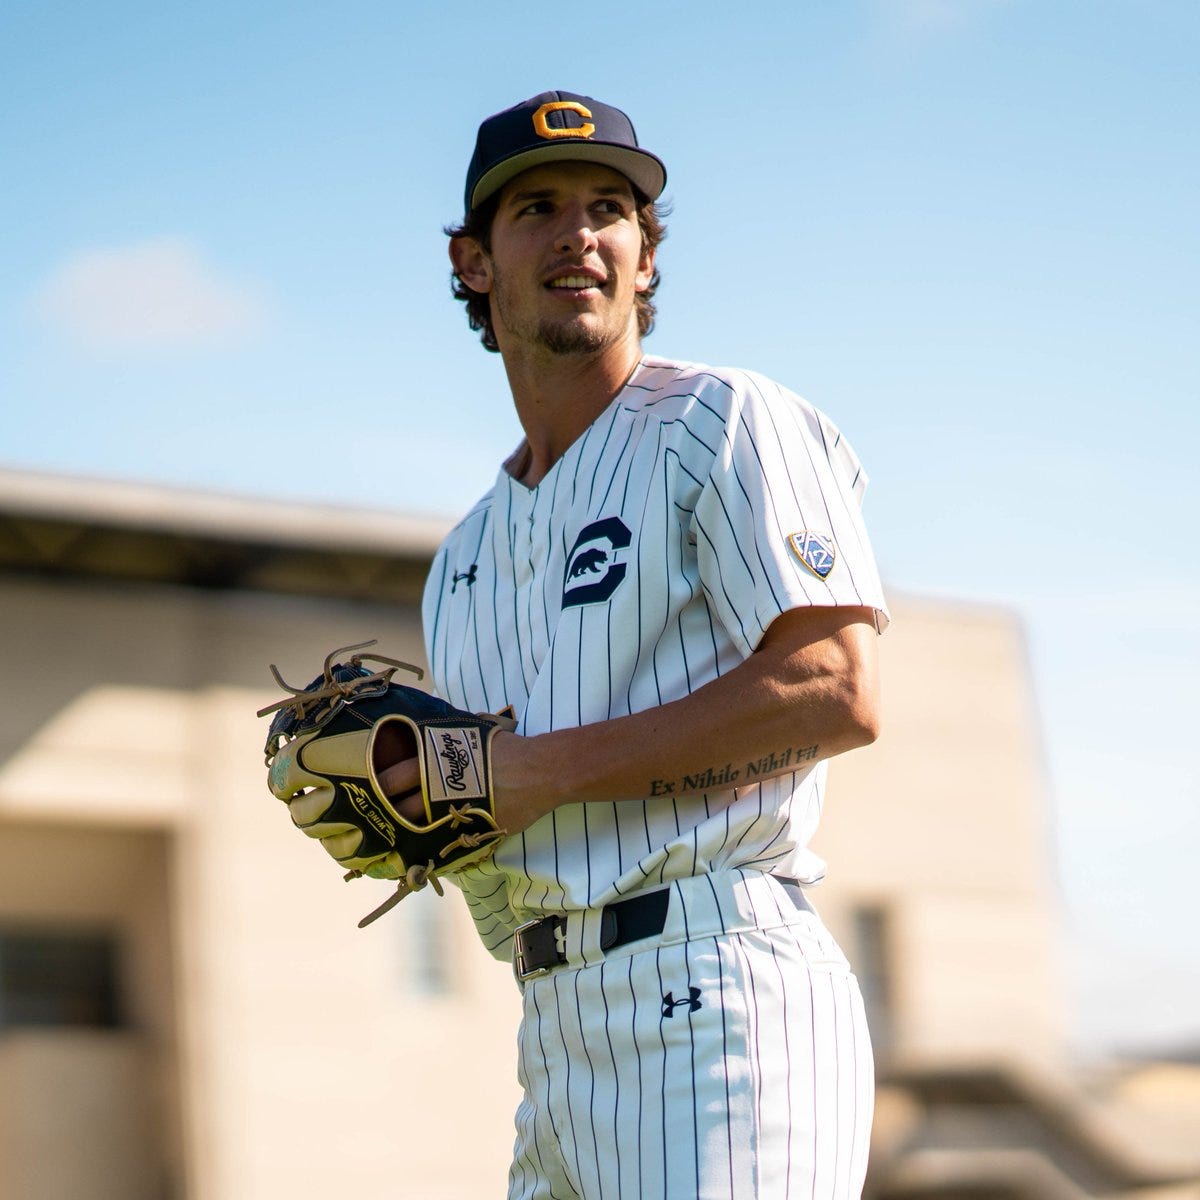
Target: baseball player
x=670, y=587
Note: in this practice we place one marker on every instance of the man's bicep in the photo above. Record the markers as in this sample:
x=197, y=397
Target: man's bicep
x=834, y=643
x=823, y=629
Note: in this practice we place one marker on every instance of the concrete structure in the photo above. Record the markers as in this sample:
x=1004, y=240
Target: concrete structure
x=187, y=1010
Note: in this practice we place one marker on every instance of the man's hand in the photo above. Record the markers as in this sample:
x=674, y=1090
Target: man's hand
x=401, y=780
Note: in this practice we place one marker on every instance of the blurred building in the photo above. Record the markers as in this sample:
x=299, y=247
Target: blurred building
x=187, y=1011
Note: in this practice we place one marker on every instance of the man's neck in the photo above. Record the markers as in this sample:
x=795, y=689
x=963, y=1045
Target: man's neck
x=558, y=396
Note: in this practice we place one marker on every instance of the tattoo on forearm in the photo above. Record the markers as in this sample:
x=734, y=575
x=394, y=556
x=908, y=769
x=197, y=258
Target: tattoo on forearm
x=731, y=776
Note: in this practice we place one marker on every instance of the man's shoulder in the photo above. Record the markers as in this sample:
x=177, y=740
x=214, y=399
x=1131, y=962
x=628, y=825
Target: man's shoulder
x=659, y=381
x=469, y=524
x=681, y=375
x=734, y=398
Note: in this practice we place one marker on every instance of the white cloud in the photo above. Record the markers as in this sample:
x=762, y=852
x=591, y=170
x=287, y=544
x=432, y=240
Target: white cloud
x=930, y=14
x=917, y=18
x=155, y=294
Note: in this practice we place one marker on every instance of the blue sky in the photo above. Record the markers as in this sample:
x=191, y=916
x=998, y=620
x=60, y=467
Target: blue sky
x=967, y=229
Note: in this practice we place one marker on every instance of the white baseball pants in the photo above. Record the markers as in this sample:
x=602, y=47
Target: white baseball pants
x=726, y=1059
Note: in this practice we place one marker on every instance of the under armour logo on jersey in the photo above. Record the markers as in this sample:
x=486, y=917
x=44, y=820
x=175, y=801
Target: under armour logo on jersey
x=468, y=575
x=593, y=572
x=692, y=1000
x=815, y=550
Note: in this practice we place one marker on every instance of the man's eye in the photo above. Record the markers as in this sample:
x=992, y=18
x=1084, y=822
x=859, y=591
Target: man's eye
x=538, y=206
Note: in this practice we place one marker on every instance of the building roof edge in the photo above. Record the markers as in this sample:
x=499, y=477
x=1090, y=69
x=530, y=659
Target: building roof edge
x=162, y=508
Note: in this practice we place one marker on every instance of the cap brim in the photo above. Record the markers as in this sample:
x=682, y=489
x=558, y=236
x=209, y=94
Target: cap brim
x=640, y=167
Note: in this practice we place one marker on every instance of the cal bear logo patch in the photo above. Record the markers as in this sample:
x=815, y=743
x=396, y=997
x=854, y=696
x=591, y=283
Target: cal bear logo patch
x=594, y=569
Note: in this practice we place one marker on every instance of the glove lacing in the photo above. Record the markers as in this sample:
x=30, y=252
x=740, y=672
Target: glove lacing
x=301, y=699
x=415, y=878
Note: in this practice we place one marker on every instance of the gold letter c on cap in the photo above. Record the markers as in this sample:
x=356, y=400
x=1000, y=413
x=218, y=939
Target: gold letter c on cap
x=543, y=130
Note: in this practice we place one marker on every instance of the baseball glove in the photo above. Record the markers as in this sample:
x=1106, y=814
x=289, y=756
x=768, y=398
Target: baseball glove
x=326, y=745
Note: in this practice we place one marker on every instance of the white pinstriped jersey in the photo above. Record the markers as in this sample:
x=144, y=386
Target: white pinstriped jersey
x=698, y=507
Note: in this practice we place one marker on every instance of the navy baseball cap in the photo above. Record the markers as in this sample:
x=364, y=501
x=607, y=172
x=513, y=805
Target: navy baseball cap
x=558, y=127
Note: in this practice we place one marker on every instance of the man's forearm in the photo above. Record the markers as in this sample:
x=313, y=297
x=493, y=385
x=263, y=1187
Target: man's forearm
x=808, y=693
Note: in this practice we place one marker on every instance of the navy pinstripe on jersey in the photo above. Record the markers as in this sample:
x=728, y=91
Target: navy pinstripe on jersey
x=650, y=560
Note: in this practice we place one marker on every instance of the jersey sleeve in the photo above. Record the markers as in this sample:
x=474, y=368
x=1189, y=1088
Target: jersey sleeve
x=778, y=521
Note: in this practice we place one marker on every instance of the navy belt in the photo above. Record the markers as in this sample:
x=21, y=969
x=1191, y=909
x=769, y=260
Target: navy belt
x=540, y=946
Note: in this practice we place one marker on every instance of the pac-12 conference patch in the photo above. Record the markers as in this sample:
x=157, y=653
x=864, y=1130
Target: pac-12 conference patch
x=815, y=550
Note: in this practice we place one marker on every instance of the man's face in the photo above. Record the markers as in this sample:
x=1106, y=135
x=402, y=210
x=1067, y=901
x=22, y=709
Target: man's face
x=566, y=260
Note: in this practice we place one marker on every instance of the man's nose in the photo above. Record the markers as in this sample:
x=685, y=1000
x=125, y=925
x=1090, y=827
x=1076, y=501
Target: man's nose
x=577, y=237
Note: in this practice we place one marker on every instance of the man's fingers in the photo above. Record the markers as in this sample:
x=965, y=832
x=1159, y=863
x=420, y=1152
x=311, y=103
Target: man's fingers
x=401, y=777
x=404, y=780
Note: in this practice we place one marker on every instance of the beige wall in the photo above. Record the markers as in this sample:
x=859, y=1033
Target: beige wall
x=76, y=1119
x=309, y=1063
x=291, y=1053
x=92, y=1112
x=944, y=822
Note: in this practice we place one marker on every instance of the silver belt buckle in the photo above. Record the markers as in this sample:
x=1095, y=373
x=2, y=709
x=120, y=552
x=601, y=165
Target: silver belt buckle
x=521, y=971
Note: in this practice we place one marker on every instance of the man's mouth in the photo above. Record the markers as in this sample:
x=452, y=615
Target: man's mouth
x=574, y=282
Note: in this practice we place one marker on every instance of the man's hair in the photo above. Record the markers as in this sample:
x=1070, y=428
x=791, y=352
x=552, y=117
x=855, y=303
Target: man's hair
x=651, y=219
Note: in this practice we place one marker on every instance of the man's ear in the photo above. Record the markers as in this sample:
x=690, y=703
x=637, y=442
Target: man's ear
x=471, y=264
x=645, y=271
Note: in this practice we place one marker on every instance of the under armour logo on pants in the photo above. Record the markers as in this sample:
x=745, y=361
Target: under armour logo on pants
x=670, y=1004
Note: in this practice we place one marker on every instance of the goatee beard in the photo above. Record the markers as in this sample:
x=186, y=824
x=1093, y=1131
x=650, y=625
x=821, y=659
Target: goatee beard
x=571, y=339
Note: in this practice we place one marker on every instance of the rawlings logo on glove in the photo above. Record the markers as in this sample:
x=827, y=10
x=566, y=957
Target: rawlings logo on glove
x=328, y=744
